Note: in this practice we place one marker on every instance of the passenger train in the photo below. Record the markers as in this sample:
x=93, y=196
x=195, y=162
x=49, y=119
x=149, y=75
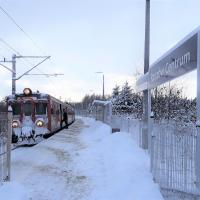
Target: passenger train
x=37, y=115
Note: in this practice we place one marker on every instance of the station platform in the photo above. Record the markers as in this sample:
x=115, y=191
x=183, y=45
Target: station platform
x=84, y=162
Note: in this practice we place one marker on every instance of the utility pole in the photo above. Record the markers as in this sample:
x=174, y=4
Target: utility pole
x=147, y=93
x=13, y=74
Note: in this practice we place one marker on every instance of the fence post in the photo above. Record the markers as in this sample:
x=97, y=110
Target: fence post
x=95, y=112
x=144, y=135
x=9, y=138
x=104, y=114
x=152, y=140
x=128, y=124
x=110, y=113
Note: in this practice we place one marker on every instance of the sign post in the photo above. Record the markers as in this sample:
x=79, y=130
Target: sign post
x=181, y=59
x=146, y=93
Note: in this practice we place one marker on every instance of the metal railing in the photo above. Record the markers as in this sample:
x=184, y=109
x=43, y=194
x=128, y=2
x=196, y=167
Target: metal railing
x=5, y=145
x=82, y=113
x=173, y=154
x=127, y=124
x=173, y=157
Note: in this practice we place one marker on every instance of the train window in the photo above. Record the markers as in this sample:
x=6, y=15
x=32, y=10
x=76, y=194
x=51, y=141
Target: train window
x=16, y=109
x=27, y=108
x=41, y=108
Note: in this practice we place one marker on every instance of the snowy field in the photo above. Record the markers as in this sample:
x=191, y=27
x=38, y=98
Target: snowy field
x=84, y=162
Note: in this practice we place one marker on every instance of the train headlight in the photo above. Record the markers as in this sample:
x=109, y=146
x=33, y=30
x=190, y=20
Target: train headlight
x=15, y=124
x=39, y=123
x=27, y=91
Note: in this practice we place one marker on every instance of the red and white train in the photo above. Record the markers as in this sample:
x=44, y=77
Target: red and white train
x=36, y=115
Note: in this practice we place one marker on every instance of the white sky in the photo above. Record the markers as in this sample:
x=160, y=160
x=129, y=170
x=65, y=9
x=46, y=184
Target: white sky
x=83, y=37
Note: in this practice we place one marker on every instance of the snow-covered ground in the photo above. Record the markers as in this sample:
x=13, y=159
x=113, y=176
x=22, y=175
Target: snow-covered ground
x=84, y=162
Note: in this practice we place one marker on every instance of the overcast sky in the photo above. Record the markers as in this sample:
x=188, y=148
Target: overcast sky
x=86, y=36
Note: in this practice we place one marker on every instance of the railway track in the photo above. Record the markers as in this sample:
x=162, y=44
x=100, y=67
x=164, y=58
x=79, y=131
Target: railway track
x=22, y=144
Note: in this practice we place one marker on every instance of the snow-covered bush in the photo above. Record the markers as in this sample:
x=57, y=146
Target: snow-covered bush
x=168, y=103
x=125, y=101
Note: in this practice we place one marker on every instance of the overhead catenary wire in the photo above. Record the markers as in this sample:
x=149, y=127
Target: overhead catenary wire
x=17, y=52
x=28, y=36
x=14, y=50
x=9, y=46
x=21, y=29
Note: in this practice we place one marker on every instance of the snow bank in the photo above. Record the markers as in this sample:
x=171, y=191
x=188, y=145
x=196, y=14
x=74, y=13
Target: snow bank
x=84, y=162
x=118, y=168
x=12, y=191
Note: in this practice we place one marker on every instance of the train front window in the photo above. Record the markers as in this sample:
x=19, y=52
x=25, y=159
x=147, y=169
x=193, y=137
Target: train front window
x=27, y=108
x=16, y=109
x=41, y=108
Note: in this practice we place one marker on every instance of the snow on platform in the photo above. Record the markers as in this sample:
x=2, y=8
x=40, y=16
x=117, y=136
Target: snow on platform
x=84, y=162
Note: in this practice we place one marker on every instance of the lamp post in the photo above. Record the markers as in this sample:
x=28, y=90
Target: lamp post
x=103, y=83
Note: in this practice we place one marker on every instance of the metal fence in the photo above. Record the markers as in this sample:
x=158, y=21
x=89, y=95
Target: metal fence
x=173, y=157
x=83, y=113
x=5, y=145
x=173, y=153
x=101, y=110
x=126, y=124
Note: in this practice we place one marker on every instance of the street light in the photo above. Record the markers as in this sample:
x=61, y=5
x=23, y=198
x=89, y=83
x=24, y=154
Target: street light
x=103, y=83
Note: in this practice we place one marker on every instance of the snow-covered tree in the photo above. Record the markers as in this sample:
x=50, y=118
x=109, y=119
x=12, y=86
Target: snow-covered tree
x=127, y=102
x=116, y=91
x=125, y=97
x=168, y=103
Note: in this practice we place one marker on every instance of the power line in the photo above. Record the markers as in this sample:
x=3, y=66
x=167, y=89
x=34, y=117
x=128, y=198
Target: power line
x=9, y=46
x=13, y=49
x=26, y=34
x=21, y=29
x=26, y=62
